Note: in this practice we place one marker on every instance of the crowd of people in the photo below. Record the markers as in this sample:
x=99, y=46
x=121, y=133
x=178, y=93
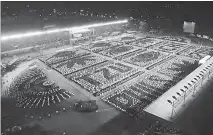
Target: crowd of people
x=159, y=128
x=77, y=63
x=115, y=85
x=42, y=99
x=28, y=74
x=135, y=99
x=45, y=95
x=138, y=95
x=97, y=79
x=131, y=100
x=175, y=38
x=145, y=42
x=62, y=56
x=7, y=68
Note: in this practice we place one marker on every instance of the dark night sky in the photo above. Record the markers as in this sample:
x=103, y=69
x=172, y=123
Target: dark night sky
x=200, y=12
x=188, y=7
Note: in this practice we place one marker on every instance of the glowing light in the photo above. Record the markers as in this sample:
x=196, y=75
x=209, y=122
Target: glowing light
x=59, y=30
x=80, y=31
x=52, y=31
x=21, y=35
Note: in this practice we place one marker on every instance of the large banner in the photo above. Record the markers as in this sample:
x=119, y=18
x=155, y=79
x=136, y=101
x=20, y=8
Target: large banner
x=189, y=27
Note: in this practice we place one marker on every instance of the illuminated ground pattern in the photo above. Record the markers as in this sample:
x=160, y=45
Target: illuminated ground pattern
x=100, y=46
x=118, y=70
x=170, y=47
x=63, y=55
x=145, y=57
x=174, y=38
x=144, y=89
x=173, y=67
x=127, y=73
x=77, y=63
x=146, y=42
x=118, y=50
x=33, y=90
x=100, y=74
x=197, y=52
x=99, y=77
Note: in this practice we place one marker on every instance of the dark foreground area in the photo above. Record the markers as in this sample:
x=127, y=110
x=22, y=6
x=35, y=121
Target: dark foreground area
x=198, y=118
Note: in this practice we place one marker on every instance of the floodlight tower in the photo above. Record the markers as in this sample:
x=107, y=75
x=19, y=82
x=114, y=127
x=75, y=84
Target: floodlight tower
x=70, y=37
x=93, y=33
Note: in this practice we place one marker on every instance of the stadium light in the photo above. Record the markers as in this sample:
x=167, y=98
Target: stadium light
x=29, y=34
x=21, y=35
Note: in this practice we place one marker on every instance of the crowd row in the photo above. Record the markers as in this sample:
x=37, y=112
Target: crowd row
x=99, y=77
x=159, y=128
x=173, y=67
x=42, y=99
x=145, y=58
x=77, y=63
x=62, y=56
x=141, y=93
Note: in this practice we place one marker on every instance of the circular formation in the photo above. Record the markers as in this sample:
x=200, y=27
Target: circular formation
x=30, y=90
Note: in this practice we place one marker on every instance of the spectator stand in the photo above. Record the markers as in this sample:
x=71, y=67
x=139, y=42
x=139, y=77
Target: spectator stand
x=176, y=99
